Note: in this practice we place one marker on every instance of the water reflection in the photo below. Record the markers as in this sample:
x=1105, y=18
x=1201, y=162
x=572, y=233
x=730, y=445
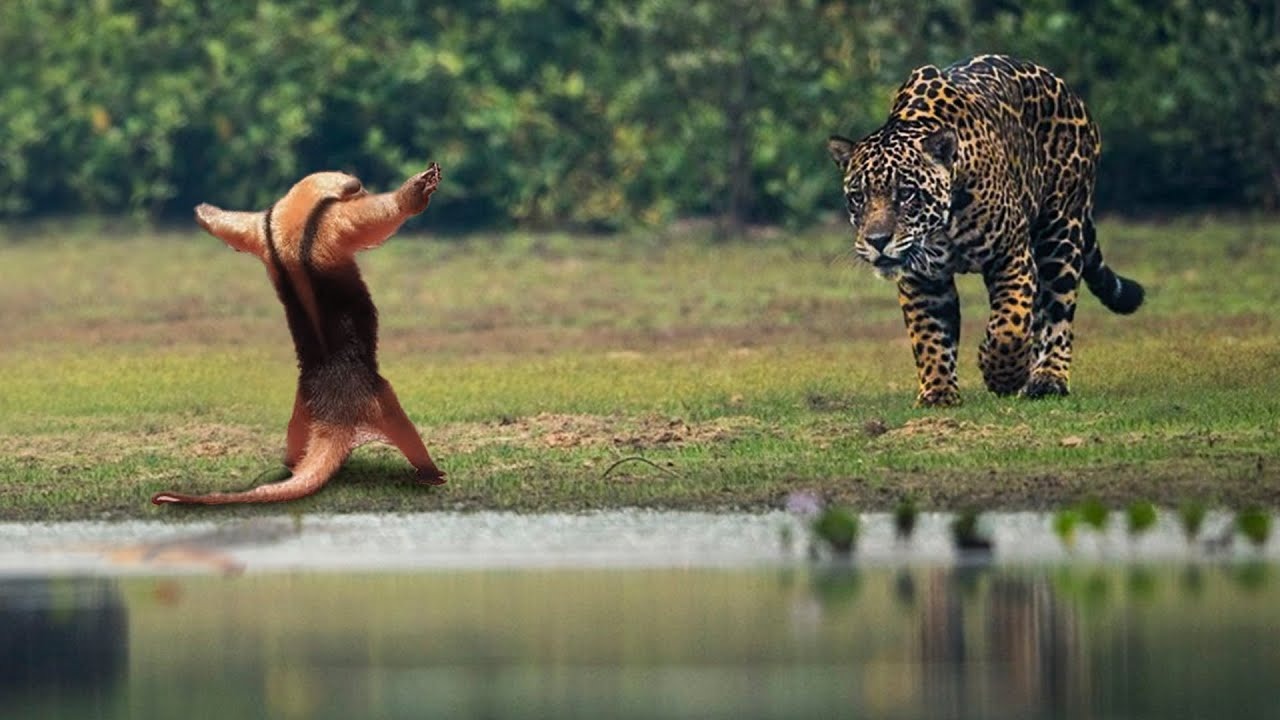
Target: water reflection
x=917, y=642
x=1002, y=644
x=64, y=646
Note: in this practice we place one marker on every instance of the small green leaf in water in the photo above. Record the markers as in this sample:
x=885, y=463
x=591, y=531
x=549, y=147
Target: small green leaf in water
x=905, y=517
x=1094, y=513
x=838, y=528
x=1255, y=524
x=1191, y=514
x=967, y=533
x=1064, y=525
x=1141, y=516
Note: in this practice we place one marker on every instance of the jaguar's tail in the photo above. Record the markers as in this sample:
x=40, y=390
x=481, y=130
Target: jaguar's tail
x=1119, y=294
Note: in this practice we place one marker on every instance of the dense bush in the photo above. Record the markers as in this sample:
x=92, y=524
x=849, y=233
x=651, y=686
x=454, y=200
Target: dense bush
x=594, y=113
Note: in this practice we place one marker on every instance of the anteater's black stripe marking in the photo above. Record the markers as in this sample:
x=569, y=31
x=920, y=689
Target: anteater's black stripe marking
x=310, y=230
x=306, y=343
x=271, y=241
x=284, y=286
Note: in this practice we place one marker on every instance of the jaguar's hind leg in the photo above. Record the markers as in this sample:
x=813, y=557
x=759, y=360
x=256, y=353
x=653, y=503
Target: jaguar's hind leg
x=1059, y=261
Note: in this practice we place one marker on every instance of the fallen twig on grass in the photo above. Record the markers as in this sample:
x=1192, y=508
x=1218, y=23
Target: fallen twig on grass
x=637, y=458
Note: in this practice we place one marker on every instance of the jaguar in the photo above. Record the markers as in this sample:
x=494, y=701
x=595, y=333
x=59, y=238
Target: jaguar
x=987, y=166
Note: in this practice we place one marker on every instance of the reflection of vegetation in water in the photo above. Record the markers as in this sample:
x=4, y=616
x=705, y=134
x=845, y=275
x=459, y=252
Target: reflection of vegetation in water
x=904, y=588
x=899, y=642
x=1097, y=588
x=1142, y=583
x=1252, y=576
x=1191, y=515
x=968, y=533
x=835, y=586
x=837, y=529
x=1140, y=517
x=1192, y=581
x=905, y=516
x=64, y=645
x=1095, y=514
x=1064, y=526
x=1255, y=524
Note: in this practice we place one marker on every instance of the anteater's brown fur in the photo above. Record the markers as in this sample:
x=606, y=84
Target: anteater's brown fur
x=308, y=241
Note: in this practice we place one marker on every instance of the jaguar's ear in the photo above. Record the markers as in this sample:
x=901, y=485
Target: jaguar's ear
x=941, y=146
x=841, y=149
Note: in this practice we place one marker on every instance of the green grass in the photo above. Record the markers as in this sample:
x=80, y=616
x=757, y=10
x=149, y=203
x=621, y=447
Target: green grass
x=133, y=363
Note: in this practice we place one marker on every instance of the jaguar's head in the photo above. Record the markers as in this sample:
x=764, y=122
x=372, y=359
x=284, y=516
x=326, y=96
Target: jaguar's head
x=897, y=187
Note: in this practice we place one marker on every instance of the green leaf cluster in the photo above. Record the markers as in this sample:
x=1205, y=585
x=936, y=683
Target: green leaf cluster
x=592, y=114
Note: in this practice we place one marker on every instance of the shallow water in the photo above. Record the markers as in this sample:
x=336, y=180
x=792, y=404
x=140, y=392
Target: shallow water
x=618, y=539
x=979, y=641
x=645, y=615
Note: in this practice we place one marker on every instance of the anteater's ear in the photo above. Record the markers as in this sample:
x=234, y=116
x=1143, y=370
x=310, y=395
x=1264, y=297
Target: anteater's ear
x=841, y=149
x=350, y=188
x=941, y=146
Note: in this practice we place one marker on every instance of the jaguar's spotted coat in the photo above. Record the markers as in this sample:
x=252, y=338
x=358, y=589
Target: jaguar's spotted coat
x=986, y=166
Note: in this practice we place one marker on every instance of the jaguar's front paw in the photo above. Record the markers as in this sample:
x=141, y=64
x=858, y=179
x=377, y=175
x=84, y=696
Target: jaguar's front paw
x=1004, y=380
x=1045, y=385
x=938, y=398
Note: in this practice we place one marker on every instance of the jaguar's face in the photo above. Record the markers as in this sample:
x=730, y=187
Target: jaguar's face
x=898, y=195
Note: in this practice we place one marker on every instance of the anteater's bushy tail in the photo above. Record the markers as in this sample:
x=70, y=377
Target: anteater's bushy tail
x=327, y=449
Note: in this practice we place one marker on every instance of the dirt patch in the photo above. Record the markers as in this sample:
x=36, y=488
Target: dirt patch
x=86, y=449
x=536, y=432
x=560, y=431
x=942, y=432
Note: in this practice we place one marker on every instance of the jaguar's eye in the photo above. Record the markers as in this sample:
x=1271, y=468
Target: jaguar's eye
x=906, y=194
x=855, y=198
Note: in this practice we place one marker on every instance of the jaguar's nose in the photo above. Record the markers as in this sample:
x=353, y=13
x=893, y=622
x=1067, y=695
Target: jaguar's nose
x=879, y=240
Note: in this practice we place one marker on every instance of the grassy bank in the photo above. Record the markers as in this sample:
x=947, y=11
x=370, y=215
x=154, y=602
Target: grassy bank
x=533, y=364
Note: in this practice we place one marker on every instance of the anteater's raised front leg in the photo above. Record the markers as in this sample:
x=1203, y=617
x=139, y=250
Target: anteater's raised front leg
x=242, y=231
x=1005, y=354
x=931, y=309
x=373, y=218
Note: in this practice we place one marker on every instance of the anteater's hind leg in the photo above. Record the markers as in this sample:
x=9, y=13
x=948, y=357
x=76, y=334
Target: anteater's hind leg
x=1059, y=261
x=399, y=430
x=295, y=441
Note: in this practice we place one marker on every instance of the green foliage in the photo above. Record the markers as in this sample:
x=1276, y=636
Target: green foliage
x=1191, y=514
x=905, y=516
x=967, y=532
x=837, y=528
x=1141, y=517
x=1064, y=526
x=592, y=114
x=1255, y=524
x=1094, y=513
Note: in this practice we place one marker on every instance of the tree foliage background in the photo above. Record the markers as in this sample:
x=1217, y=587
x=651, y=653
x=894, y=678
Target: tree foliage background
x=595, y=113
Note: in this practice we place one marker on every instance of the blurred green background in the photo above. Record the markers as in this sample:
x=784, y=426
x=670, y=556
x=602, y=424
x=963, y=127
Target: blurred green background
x=595, y=114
